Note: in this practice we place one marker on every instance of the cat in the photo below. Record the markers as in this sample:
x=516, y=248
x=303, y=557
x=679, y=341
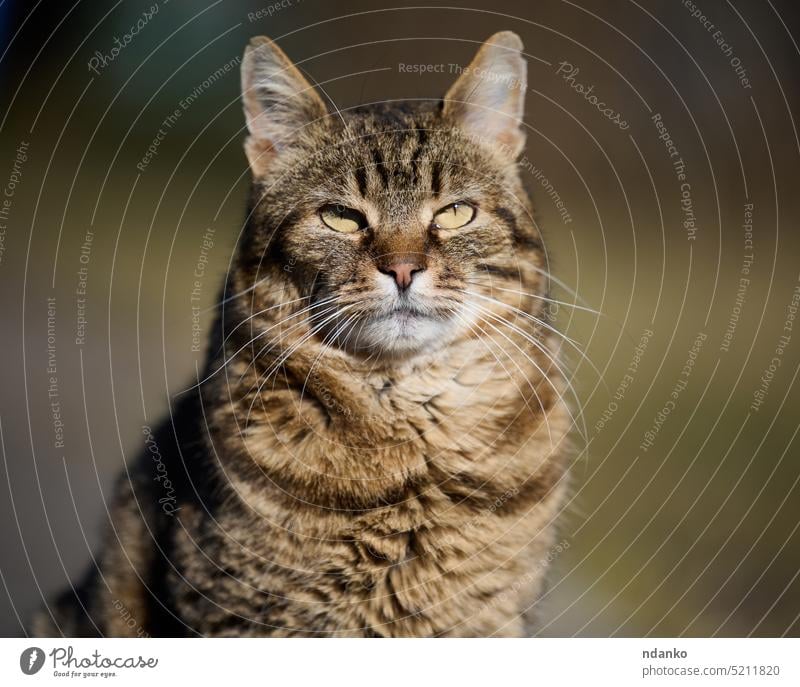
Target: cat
x=378, y=445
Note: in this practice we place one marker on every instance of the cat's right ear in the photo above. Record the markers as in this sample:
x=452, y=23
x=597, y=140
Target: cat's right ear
x=278, y=101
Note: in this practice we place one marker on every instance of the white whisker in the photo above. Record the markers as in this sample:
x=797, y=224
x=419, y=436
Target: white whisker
x=230, y=358
x=285, y=356
x=484, y=340
x=550, y=328
x=536, y=365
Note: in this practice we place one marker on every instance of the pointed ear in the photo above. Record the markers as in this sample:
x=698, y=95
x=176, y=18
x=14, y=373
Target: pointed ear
x=488, y=99
x=277, y=99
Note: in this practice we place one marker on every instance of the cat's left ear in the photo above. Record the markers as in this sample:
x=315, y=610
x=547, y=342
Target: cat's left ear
x=488, y=99
x=278, y=102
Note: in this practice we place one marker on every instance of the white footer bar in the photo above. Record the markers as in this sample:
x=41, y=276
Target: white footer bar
x=401, y=662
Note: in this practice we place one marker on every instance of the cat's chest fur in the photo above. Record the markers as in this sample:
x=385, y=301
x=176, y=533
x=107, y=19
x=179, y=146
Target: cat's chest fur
x=341, y=438
x=407, y=502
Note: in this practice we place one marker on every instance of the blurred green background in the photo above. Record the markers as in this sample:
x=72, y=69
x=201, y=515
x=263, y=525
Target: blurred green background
x=693, y=532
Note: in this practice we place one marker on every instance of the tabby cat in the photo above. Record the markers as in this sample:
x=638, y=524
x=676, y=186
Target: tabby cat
x=377, y=446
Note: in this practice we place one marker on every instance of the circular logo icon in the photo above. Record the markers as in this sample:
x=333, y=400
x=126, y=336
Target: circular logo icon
x=31, y=660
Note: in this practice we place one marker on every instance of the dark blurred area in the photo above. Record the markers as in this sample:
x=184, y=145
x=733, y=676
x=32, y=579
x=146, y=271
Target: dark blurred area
x=121, y=148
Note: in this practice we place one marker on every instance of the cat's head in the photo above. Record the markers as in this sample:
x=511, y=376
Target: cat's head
x=397, y=221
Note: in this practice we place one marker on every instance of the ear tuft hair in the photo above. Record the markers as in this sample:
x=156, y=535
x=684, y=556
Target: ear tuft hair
x=487, y=101
x=278, y=101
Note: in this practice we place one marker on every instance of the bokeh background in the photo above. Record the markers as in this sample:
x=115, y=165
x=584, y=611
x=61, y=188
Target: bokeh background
x=693, y=531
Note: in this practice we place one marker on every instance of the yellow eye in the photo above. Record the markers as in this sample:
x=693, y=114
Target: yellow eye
x=342, y=219
x=454, y=216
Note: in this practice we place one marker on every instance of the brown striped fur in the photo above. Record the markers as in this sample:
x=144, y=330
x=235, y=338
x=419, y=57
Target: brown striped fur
x=374, y=475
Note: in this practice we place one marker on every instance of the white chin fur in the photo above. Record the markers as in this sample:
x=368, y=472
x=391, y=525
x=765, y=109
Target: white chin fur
x=401, y=334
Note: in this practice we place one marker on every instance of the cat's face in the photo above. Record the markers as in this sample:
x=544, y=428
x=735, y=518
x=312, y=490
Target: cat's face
x=393, y=220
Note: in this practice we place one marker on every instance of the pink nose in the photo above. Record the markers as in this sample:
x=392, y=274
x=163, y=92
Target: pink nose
x=403, y=273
